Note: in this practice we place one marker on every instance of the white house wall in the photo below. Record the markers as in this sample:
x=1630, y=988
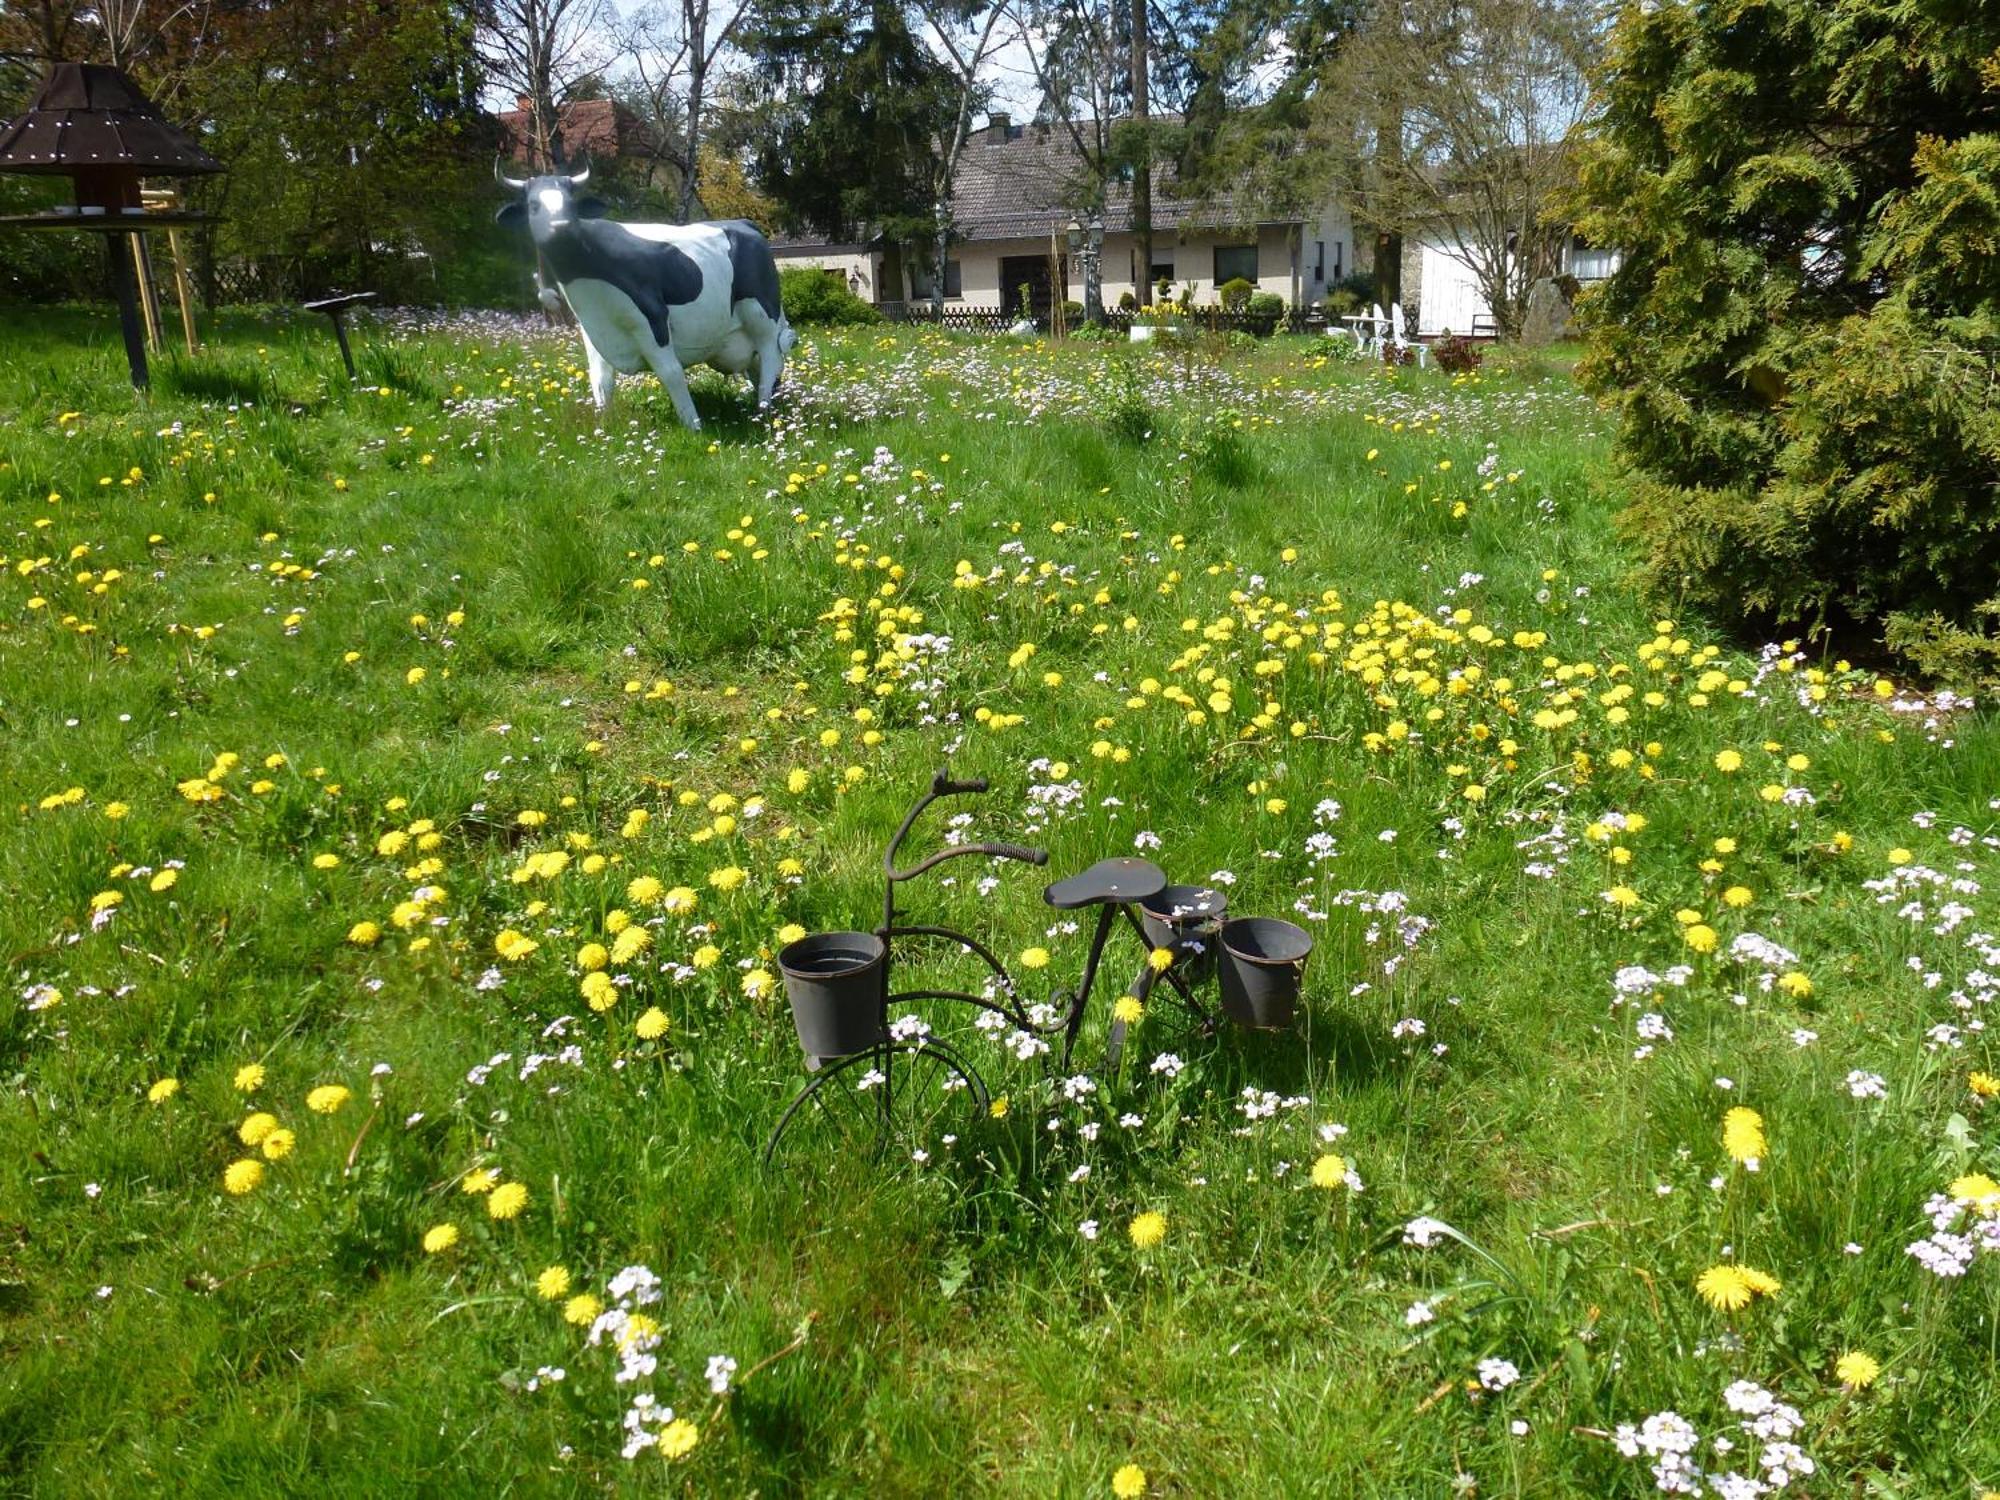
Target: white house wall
x=1191, y=254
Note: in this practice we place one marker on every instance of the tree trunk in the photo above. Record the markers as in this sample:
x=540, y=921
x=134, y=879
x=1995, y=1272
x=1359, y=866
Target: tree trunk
x=1142, y=169
x=1388, y=267
x=940, y=258
x=696, y=14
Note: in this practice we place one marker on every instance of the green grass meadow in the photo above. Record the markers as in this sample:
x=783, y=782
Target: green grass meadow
x=404, y=789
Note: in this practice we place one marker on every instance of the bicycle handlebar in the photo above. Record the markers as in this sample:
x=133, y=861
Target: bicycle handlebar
x=1016, y=851
x=943, y=786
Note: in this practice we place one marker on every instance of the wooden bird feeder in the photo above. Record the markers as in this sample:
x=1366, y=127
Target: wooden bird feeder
x=91, y=124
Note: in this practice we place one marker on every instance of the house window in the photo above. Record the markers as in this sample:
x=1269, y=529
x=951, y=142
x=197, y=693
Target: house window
x=920, y=279
x=1235, y=262
x=1338, y=253
x=1319, y=260
x=1163, y=270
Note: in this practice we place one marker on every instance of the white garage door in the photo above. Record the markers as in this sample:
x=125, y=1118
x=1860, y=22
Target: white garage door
x=1450, y=298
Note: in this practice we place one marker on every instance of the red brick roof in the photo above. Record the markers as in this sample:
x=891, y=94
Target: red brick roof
x=602, y=129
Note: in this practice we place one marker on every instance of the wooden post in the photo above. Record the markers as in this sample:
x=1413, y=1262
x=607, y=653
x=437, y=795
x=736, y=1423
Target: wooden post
x=181, y=289
x=340, y=333
x=149, y=291
x=122, y=285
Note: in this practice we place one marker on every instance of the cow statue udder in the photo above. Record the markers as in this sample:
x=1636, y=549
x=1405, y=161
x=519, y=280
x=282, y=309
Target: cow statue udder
x=656, y=297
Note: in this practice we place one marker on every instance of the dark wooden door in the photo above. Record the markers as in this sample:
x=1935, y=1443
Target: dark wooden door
x=1031, y=272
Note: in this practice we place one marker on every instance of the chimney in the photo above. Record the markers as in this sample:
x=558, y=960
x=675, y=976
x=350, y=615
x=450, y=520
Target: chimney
x=996, y=129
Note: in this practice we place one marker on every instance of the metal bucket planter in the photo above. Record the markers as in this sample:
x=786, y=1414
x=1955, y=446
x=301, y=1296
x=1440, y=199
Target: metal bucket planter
x=1186, y=912
x=834, y=982
x=1263, y=966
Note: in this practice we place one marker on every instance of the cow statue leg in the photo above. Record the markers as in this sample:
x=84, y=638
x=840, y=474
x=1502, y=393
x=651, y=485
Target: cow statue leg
x=768, y=339
x=603, y=377
x=667, y=365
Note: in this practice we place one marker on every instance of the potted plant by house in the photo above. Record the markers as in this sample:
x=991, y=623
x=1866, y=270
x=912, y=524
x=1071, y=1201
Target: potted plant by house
x=1161, y=320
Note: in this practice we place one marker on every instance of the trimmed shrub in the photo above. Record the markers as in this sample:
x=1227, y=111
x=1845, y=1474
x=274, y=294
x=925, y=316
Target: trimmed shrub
x=1803, y=333
x=810, y=295
x=1235, y=293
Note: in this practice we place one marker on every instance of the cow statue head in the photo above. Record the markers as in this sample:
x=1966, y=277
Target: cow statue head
x=549, y=204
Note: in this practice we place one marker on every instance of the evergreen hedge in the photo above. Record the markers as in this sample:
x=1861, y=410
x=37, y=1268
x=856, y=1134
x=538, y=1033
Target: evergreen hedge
x=1804, y=336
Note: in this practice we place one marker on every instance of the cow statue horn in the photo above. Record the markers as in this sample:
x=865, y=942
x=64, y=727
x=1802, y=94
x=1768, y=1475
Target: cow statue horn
x=578, y=179
x=511, y=184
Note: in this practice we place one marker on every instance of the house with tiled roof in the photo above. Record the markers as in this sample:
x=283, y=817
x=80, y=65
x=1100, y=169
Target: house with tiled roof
x=1017, y=189
x=602, y=130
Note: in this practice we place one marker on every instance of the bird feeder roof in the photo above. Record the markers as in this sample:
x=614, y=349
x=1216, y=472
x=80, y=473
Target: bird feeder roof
x=89, y=118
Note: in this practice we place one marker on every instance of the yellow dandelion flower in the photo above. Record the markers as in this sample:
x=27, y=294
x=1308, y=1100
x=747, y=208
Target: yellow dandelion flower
x=998, y=1108
x=1856, y=1370
x=592, y=956
x=1983, y=1085
x=644, y=890
x=597, y=988
x=513, y=946
x=440, y=1238
x=1329, y=1171
x=1128, y=1009
x=1700, y=937
x=728, y=878
x=162, y=1091
x=1034, y=958
x=249, y=1078
x=242, y=1176
x=1148, y=1229
x=1728, y=760
x=507, y=1200
x=364, y=934
x=553, y=1284
x=678, y=1438
x=1796, y=985
x=1978, y=1192
x=582, y=1310
x=1724, y=1288
x=1763, y=1283
x=278, y=1144
x=1129, y=1482
x=328, y=1098
x=1743, y=1135
x=480, y=1180
x=652, y=1025
x=757, y=984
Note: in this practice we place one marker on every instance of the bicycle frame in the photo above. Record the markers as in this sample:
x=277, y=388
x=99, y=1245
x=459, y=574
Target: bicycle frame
x=1070, y=1022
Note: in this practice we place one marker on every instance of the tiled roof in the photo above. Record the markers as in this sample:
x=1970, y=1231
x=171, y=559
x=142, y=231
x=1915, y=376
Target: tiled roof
x=602, y=129
x=1028, y=184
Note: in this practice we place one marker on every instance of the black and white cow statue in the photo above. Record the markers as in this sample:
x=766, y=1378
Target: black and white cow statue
x=657, y=297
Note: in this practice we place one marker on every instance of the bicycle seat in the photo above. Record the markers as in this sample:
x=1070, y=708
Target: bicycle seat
x=1109, y=882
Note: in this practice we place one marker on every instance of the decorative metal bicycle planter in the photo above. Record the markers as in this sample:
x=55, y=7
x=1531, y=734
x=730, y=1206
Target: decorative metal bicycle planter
x=878, y=1079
